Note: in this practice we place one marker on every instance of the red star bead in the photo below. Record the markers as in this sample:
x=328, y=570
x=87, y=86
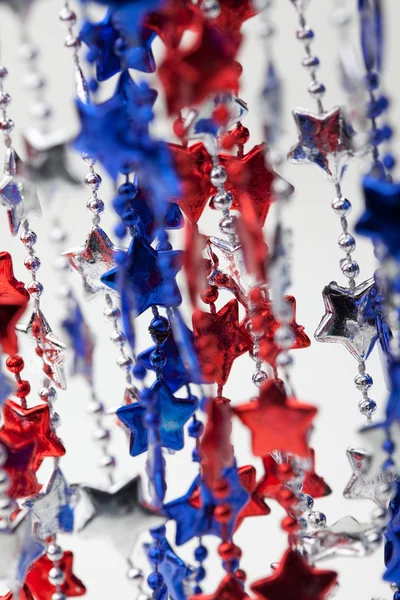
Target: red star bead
x=171, y=21
x=192, y=165
x=256, y=506
x=20, y=468
x=233, y=14
x=38, y=578
x=208, y=67
x=219, y=339
x=31, y=424
x=13, y=301
x=249, y=230
x=24, y=594
x=229, y=589
x=294, y=579
x=277, y=422
x=216, y=450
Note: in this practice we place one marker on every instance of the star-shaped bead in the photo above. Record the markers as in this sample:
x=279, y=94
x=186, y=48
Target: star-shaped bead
x=229, y=589
x=277, y=422
x=47, y=161
x=381, y=217
x=20, y=467
x=255, y=507
x=174, y=413
x=81, y=341
x=219, y=340
x=350, y=318
x=52, y=509
x=171, y=20
x=17, y=194
x=294, y=579
x=233, y=13
x=324, y=140
x=13, y=301
x=33, y=425
x=207, y=67
x=49, y=347
x=38, y=578
x=118, y=514
x=374, y=438
x=361, y=484
x=150, y=275
x=147, y=226
x=93, y=260
x=101, y=37
x=19, y=550
x=184, y=514
x=174, y=571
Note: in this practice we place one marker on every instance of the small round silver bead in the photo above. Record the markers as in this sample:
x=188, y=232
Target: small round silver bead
x=310, y=62
x=222, y=201
x=284, y=337
x=112, y=313
x=374, y=540
x=32, y=263
x=380, y=516
x=218, y=176
x=350, y=268
x=304, y=34
x=56, y=576
x=107, y=462
x=363, y=381
x=317, y=519
x=341, y=206
x=72, y=42
x=95, y=205
x=41, y=110
x=35, y=289
x=134, y=574
x=28, y=52
x=4, y=482
x=33, y=81
x=93, y=180
x=347, y=243
x=316, y=89
x=3, y=73
x=28, y=238
x=7, y=126
x=367, y=407
x=58, y=596
x=281, y=188
x=227, y=225
x=95, y=407
x=259, y=377
x=55, y=420
x=118, y=337
x=54, y=552
x=284, y=360
x=211, y=9
x=5, y=99
x=47, y=394
x=124, y=361
x=306, y=502
x=67, y=16
x=101, y=435
x=143, y=596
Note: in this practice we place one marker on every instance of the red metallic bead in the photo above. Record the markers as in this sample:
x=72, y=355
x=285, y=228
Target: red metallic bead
x=210, y=294
x=285, y=497
x=15, y=364
x=178, y=128
x=23, y=388
x=228, y=551
x=223, y=513
x=221, y=114
x=38, y=578
x=289, y=524
x=241, y=575
x=221, y=489
x=240, y=135
x=13, y=301
x=284, y=471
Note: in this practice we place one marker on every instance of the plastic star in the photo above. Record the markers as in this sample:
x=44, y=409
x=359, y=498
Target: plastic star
x=381, y=218
x=184, y=514
x=350, y=318
x=192, y=166
x=92, y=261
x=171, y=21
x=174, y=571
x=19, y=550
x=118, y=514
x=208, y=67
x=38, y=578
x=216, y=450
x=47, y=158
x=295, y=579
x=17, y=194
x=49, y=347
x=219, y=340
x=81, y=340
x=51, y=509
x=147, y=225
x=175, y=373
x=150, y=275
x=277, y=422
x=361, y=484
x=13, y=301
x=101, y=38
x=174, y=413
x=20, y=467
x=256, y=506
x=373, y=437
x=233, y=14
x=324, y=140
x=33, y=425
x=229, y=589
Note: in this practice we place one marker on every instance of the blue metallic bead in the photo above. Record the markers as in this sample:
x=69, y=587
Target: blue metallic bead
x=128, y=191
x=200, y=553
x=158, y=359
x=195, y=429
x=197, y=590
x=93, y=85
x=195, y=455
x=389, y=446
x=155, y=580
x=146, y=397
x=387, y=132
x=373, y=80
x=156, y=554
x=396, y=595
x=376, y=137
x=389, y=161
x=174, y=571
x=388, y=465
x=139, y=372
x=160, y=323
x=373, y=109
x=120, y=231
x=152, y=420
x=131, y=218
x=383, y=102
x=200, y=574
x=231, y=565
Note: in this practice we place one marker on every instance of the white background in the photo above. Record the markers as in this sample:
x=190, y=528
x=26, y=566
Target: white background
x=323, y=374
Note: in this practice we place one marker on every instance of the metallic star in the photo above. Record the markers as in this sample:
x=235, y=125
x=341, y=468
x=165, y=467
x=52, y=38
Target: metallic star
x=92, y=261
x=51, y=509
x=174, y=571
x=350, y=318
x=361, y=484
x=346, y=537
x=231, y=273
x=17, y=194
x=19, y=550
x=118, y=514
x=373, y=438
x=50, y=346
x=324, y=140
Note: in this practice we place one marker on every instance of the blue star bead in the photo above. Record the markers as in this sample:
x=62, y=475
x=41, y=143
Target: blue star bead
x=101, y=39
x=174, y=413
x=184, y=515
x=147, y=224
x=381, y=218
x=175, y=373
x=150, y=274
x=81, y=340
x=173, y=569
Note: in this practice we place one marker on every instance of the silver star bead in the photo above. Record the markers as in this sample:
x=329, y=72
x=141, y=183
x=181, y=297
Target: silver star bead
x=20, y=548
x=324, y=140
x=231, y=264
x=350, y=318
x=373, y=438
x=53, y=349
x=47, y=161
x=361, y=484
x=92, y=261
x=17, y=194
x=118, y=514
x=346, y=537
x=193, y=124
x=52, y=508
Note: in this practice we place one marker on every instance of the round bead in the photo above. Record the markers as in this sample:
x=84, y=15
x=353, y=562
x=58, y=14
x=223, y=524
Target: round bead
x=223, y=513
x=363, y=381
x=259, y=377
x=3, y=73
x=23, y=388
x=306, y=501
x=200, y=574
x=389, y=446
x=347, y=243
x=155, y=581
x=58, y=596
x=200, y=553
x=47, y=394
x=124, y=361
x=341, y=206
x=284, y=360
x=195, y=429
x=227, y=225
x=218, y=176
x=139, y=372
x=241, y=575
x=317, y=519
x=158, y=359
x=156, y=554
x=95, y=205
x=117, y=337
x=35, y=289
x=5, y=100
x=6, y=125
x=284, y=337
x=350, y=268
x=54, y=552
x=56, y=576
x=310, y=62
x=210, y=294
x=95, y=407
x=55, y=420
x=4, y=482
x=222, y=201
x=28, y=238
x=228, y=550
x=316, y=89
x=107, y=462
x=211, y=9
x=72, y=42
x=289, y=524
x=67, y=16
x=367, y=407
x=93, y=180
x=15, y=364
x=134, y=574
x=285, y=497
x=32, y=263
x=41, y=110
x=101, y=434
x=379, y=516
x=305, y=34
x=112, y=313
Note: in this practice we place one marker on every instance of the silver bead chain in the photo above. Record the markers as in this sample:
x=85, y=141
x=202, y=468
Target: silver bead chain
x=7, y=504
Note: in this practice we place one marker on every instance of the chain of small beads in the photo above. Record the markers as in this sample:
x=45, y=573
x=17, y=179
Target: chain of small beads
x=68, y=17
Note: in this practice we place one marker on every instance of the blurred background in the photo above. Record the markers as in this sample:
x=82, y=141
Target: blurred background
x=323, y=374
